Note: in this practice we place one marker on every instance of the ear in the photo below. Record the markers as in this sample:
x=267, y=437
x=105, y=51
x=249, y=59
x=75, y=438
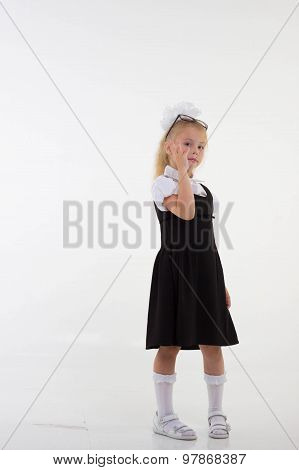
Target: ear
x=166, y=147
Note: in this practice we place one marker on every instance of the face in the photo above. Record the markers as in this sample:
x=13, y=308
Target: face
x=195, y=140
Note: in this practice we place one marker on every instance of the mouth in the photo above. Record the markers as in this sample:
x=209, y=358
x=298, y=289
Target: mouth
x=192, y=160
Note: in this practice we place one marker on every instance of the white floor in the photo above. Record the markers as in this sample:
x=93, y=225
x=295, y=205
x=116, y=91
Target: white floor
x=102, y=398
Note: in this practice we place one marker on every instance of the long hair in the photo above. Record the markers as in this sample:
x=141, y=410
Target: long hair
x=162, y=159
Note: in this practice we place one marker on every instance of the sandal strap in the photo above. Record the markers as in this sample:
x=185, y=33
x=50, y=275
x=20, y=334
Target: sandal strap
x=215, y=421
x=217, y=413
x=218, y=424
x=226, y=428
x=177, y=428
x=165, y=419
x=171, y=417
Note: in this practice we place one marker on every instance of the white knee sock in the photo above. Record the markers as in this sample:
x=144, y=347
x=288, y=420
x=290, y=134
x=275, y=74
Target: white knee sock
x=163, y=387
x=215, y=384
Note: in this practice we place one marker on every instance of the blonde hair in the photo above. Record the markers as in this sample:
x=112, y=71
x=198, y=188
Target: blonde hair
x=162, y=159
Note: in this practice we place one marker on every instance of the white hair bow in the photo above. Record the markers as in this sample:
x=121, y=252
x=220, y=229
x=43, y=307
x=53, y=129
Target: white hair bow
x=171, y=112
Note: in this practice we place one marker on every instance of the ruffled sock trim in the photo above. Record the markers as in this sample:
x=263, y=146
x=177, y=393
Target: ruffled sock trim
x=215, y=379
x=171, y=378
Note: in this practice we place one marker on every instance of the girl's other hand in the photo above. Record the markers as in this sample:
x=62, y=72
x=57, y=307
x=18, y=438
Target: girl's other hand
x=228, y=301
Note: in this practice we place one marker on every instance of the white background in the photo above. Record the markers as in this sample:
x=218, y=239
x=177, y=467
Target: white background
x=83, y=88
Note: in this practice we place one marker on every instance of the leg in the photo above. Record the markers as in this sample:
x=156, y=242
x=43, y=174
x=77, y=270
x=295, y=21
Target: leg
x=164, y=376
x=164, y=362
x=166, y=421
x=213, y=359
x=215, y=376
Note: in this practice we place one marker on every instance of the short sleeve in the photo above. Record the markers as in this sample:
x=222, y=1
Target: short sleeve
x=215, y=201
x=161, y=188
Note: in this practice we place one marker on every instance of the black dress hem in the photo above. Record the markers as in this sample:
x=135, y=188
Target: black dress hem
x=192, y=346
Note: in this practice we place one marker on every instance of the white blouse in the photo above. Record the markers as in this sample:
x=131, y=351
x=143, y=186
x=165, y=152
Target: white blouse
x=167, y=184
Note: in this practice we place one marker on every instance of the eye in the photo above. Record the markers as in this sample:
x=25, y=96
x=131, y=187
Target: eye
x=187, y=143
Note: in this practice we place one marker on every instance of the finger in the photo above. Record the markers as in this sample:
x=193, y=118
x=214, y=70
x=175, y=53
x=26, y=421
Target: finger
x=184, y=150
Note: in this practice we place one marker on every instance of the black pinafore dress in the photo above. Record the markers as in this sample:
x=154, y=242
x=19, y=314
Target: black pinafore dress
x=187, y=302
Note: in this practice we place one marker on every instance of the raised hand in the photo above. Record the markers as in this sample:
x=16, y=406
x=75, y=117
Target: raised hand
x=179, y=155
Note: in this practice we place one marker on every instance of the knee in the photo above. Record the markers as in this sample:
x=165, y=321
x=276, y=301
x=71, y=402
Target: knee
x=169, y=351
x=210, y=351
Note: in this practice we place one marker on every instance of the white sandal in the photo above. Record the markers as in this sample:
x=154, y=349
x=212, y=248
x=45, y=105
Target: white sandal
x=177, y=432
x=218, y=424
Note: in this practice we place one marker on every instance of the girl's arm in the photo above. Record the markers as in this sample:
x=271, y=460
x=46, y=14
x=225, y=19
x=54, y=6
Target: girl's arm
x=183, y=204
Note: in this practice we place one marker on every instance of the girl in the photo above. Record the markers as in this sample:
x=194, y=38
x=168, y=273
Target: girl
x=188, y=304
